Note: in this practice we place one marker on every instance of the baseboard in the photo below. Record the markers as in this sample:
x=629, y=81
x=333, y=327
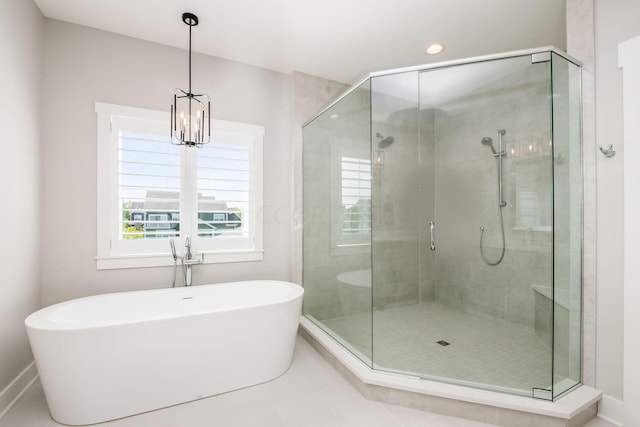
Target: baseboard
x=10, y=395
x=611, y=410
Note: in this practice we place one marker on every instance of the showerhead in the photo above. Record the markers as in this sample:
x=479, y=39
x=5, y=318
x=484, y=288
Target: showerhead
x=489, y=142
x=384, y=142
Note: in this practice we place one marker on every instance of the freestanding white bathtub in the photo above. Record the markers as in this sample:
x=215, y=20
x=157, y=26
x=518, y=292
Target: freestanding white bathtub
x=114, y=355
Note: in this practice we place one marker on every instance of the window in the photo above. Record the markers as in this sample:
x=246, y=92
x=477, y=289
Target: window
x=150, y=191
x=355, y=196
x=351, y=196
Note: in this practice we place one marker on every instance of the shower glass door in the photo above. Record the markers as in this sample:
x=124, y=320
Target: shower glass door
x=397, y=210
x=462, y=224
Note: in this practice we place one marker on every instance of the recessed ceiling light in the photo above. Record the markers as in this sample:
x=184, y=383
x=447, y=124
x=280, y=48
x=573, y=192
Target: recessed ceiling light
x=334, y=116
x=434, y=49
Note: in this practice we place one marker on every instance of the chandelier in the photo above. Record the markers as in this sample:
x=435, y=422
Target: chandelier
x=190, y=113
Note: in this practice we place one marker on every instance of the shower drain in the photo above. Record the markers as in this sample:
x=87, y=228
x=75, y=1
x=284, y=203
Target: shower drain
x=443, y=343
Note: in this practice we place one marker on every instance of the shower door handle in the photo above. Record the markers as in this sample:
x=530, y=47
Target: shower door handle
x=432, y=235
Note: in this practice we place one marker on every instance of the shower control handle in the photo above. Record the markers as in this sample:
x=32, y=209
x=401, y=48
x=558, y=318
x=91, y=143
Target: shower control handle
x=432, y=235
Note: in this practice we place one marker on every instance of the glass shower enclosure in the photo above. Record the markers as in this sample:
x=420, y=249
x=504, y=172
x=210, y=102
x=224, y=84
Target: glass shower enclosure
x=443, y=222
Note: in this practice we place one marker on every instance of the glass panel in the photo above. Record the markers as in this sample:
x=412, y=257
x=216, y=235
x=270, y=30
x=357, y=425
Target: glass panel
x=337, y=221
x=567, y=200
x=477, y=312
x=396, y=213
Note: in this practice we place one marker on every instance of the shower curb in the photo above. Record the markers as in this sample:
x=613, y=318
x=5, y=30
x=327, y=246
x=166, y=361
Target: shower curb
x=574, y=409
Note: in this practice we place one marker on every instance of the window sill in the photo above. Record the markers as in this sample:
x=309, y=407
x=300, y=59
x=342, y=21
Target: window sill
x=162, y=260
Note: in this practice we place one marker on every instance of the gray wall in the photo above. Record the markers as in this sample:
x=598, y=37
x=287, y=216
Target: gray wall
x=82, y=66
x=309, y=94
x=21, y=31
x=616, y=21
x=580, y=45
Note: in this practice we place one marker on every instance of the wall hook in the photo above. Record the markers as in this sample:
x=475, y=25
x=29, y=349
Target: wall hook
x=608, y=152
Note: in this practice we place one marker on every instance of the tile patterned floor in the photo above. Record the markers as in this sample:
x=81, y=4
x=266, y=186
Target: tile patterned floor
x=481, y=350
x=310, y=394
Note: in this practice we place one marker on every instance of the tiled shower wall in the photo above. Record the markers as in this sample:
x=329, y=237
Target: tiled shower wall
x=466, y=195
x=437, y=170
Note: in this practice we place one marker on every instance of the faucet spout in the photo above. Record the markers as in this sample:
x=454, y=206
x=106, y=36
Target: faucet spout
x=189, y=260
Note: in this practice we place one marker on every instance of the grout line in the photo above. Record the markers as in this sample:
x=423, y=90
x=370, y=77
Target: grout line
x=380, y=405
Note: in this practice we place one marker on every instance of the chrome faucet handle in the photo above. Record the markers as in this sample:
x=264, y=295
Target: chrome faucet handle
x=194, y=259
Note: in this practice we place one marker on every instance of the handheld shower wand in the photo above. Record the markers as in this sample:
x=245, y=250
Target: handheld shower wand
x=175, y=261
x=501, y=202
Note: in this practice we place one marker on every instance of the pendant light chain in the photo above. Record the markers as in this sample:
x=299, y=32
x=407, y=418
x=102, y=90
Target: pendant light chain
x=190, y=27
x=187, y=129
x=190, y=94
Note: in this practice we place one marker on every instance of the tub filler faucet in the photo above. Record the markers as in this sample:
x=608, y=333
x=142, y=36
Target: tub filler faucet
x=188, y=259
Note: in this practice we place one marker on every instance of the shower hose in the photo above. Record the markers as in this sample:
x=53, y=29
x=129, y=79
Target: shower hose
x=484, y=258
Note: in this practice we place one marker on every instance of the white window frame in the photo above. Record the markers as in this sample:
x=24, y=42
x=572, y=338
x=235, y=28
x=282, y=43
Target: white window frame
x=112, y=254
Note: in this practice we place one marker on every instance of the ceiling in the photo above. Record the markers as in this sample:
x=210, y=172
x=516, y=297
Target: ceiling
x=337, y=39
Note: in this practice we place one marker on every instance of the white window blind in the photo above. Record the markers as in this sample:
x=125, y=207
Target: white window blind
x=223, y=190
x=356, y=195
x=148, y=186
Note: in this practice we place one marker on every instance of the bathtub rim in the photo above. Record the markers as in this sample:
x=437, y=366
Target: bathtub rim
x=38, y=320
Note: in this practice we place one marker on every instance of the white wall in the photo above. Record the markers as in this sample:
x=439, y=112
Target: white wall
x=616, y=21
x=84, y=65
x=629, y=60
x=21, y=31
